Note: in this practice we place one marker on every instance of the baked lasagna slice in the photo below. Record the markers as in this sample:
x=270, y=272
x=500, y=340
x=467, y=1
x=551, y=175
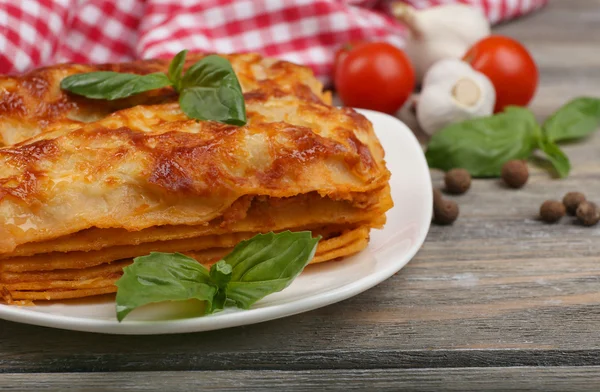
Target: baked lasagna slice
x=80, y=200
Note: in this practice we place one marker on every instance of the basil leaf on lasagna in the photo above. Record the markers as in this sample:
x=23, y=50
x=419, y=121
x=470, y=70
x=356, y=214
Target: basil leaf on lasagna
x=222, y=104
x=176, y=69
x=210, y=90
x=113, y=85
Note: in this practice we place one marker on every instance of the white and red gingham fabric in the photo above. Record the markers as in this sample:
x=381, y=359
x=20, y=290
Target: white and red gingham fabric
x=40, y=32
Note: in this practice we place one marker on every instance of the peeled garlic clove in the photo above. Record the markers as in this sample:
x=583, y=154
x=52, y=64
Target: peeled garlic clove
x=453, y=92
x=445, y=31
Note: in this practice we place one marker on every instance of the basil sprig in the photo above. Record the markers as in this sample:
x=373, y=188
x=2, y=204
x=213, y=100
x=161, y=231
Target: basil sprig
x=267, y=263
x=176, y=69
x=483, y=145
x=208, y=90
x=260, y=266
x=557, y=158
x=163, y=277
x=575, y=120
x=113, y=85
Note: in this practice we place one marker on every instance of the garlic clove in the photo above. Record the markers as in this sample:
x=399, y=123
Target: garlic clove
x=466, y=92
x=434, y=110
x=453, y=92
x=446, y=70
x=445, y=31
x=485, y=106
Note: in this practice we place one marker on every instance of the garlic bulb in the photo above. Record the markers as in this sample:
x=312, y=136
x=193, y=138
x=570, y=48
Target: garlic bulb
x=453, y=92
x=445, y=31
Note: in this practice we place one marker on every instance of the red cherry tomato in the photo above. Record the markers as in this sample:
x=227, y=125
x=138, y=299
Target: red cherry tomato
x=341, y=54
x=375, y=76
x=509, y=66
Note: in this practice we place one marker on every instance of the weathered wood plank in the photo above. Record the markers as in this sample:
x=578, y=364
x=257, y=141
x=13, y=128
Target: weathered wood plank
x=563, y=379
x=498, y=288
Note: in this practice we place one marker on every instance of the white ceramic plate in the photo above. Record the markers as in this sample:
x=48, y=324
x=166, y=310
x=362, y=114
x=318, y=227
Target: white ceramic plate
x=389, y=250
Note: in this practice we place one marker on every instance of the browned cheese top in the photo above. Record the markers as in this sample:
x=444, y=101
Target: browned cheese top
x=33, y=102
x=151, y=165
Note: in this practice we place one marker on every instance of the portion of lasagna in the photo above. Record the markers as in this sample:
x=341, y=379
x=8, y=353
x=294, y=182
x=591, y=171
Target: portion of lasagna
x=87, y=185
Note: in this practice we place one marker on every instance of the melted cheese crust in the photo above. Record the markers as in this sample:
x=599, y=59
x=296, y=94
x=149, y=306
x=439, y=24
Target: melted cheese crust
x=151, y=165
x=33, y=102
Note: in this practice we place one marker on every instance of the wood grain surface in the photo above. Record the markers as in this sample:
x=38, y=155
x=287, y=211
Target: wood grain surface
x=498, y=301
x=551, y=379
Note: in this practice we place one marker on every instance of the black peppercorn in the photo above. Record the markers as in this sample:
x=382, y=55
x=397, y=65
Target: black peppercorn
x=515, y=173
x=588, y=213
x=458, y=181
x=551, y=211
x=572, y=201
x=437, y=196
x=445, y=212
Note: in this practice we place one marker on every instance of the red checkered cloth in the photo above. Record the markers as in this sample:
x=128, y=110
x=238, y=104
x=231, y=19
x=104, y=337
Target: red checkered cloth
x=40, y=32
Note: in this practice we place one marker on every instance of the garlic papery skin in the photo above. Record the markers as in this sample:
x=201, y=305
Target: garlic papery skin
x=453, y=92
x=445, y=31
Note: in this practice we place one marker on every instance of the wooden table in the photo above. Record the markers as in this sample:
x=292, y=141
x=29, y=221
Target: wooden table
x=498, y=301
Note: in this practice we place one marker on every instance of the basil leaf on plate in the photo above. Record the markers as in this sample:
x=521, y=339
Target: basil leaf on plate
x=210, y=90
x=262, y=265
x=113, y=85
x=220, y=273
x=218, y=302
x=163, y=277
x=176, y=68
x=578, y=118
x=556, y=156
x=267, y=263
x=483, y=145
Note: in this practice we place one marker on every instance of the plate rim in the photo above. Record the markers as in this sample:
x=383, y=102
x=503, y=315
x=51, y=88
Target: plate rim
x=238, y=318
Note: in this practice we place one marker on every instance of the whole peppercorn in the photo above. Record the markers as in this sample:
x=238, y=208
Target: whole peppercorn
x=515, y=173
x=551, y=211
x=445, y=212
x=458, y=181
x=572, y=201
x=437, y=196
x=588, y=213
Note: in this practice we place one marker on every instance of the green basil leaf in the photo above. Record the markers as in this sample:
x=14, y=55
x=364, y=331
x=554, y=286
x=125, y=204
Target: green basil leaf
x=211, y=71
x=162, y=277
x=210, y=90
x=220, y=273
x=556, y=156
x=218, y=302
x=176, y=68
x=222, y=104
x=576, y=119
x=113, y=85
x=483, y=145
x=267, y=263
